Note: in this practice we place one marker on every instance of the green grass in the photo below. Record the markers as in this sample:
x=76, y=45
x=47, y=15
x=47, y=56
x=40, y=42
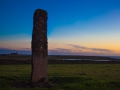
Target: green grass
x=65, y=76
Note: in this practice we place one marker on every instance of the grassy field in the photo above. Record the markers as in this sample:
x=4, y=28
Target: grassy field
x=64, y=76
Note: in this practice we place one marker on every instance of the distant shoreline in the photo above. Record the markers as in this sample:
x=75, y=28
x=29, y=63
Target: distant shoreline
x=60, y=59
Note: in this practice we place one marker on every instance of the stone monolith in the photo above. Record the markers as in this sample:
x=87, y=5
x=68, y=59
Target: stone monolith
x=39, y=49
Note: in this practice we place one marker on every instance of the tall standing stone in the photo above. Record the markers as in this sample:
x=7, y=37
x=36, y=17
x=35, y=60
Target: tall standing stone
x=39, y=48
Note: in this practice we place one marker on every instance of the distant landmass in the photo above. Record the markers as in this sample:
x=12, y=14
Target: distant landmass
x=60, y=59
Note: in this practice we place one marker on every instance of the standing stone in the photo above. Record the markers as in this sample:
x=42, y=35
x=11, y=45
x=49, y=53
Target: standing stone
x=39, y=49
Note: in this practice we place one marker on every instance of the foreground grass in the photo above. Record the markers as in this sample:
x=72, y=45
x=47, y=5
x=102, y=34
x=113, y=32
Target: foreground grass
x=65, y=76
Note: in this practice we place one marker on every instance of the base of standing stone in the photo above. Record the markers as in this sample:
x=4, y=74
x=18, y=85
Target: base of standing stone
x=39, y=70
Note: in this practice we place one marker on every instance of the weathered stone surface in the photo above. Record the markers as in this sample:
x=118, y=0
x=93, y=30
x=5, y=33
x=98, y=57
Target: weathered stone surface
x=39, y=48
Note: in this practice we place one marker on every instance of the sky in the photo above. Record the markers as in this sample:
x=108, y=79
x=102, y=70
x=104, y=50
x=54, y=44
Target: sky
x=74, y=27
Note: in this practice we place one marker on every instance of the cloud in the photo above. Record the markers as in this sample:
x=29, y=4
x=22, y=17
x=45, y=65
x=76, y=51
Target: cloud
x=62, y=49
x=102, y=50
x=59, y=51
x=70, y=50
x=91, y=49
x=77, y=46
x=27, y=49
x=74, y=49
x=3, y=48
x=8, y=51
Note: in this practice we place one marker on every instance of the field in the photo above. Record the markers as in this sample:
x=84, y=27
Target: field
x=64, y=77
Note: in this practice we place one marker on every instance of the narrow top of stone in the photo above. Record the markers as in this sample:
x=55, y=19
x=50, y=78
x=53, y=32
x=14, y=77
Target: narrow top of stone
x=40, y=10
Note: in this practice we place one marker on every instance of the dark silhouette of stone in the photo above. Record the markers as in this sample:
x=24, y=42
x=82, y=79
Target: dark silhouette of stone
x=39, y=49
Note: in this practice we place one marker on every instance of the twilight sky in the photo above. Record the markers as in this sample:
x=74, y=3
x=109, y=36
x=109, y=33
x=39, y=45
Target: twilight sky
x=75, y=27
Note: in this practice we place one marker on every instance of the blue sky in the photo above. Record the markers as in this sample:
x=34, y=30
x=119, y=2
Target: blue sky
x=75, y=27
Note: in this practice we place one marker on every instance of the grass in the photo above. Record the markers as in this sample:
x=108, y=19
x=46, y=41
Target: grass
x=65, y=76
